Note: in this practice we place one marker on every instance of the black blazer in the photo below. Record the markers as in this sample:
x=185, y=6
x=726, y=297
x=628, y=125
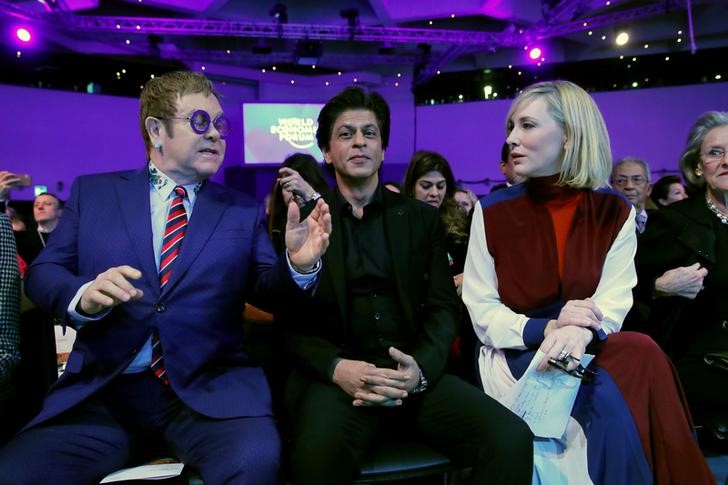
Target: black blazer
x=680, y=235
x=316, y=330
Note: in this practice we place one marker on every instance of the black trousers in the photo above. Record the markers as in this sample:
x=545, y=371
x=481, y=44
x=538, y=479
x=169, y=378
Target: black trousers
x=330, y=437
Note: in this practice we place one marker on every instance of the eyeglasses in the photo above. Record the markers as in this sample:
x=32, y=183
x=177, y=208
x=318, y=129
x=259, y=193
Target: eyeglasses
x=621, y=180
x=714, y=155
x=200, y=122
x=580, y=372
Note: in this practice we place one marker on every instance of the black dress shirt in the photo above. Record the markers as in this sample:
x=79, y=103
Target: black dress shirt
x=374, y=311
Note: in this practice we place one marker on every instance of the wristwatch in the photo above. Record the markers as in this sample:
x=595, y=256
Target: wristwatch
x=421, y=385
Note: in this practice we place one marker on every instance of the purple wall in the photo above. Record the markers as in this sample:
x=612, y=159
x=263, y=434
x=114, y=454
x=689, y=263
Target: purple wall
x=648, y=123
x=56, y=135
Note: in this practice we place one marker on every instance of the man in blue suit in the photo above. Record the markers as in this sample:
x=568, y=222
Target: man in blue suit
x=153, y=267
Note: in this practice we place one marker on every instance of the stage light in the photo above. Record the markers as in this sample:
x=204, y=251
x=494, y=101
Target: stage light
x=535, y=53
x=622, y=38
x=280, y=13
x=23, y=34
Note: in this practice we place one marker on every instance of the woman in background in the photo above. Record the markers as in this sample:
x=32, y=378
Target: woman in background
x=693, y=321
x=550, y=268
x=300, y=179
x=429, y=179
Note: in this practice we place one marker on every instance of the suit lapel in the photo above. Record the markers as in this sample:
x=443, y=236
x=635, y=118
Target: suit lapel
x=334, y=262
x=133, y=196
x=209, y=207
x=398, y=234
x=700, y=238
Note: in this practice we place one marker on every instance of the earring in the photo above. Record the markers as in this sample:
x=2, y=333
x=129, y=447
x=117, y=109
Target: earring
x=158, y=147
x=698, y=172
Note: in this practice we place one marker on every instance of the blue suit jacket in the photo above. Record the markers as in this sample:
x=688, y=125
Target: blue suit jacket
x=226, y=259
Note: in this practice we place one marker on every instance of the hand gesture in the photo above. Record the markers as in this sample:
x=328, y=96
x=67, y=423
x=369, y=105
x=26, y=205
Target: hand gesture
x=388, y=387
x=307, y=241
x=686, y=281
x=458, y=279
x=8, y=180
x=109, y=289
x=579, y=313
x=569, y=340
x=368, y=384
x=292, y=182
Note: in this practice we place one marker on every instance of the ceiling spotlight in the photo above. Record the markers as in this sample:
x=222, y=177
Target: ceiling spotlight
x=279, y=12
x=534, y=53
x=23, y=34
x=622, y=38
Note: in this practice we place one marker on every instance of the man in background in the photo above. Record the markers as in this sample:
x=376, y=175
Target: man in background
x=631, y=177
x=507, y=169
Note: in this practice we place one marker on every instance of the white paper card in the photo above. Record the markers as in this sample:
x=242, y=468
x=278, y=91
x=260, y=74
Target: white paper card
x=544, y=400
x=156, y=471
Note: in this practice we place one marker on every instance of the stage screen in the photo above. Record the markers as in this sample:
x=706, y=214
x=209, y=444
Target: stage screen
x=272, y=131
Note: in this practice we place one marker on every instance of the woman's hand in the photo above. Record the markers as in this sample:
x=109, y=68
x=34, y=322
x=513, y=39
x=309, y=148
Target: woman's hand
x=292, y=182
x=458, y=279
x=686, y=281
x=577, y=313
x=569, y=340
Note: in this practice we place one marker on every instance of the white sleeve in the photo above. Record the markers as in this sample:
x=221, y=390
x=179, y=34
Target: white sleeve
x=494, y=323
x=613, y=295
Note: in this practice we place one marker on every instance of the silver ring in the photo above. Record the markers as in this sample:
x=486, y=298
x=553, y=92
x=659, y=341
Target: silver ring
x=564, y=355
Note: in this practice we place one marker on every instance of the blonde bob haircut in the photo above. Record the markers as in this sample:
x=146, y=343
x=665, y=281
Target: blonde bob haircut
x=587, y=159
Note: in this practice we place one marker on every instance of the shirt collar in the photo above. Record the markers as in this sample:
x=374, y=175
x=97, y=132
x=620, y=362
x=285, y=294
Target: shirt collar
x=377, y=201
x=165, y=185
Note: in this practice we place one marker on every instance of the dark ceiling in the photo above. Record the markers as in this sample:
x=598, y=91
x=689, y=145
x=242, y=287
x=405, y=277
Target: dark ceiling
x=422, y=41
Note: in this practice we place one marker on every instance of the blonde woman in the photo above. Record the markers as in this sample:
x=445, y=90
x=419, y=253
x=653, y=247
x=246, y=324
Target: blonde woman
x=550, y=267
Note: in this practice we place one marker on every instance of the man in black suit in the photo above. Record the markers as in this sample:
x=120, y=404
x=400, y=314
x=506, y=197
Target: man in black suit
x=370, y=346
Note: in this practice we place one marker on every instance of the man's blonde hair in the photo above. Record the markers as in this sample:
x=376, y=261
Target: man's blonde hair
x=160, y=94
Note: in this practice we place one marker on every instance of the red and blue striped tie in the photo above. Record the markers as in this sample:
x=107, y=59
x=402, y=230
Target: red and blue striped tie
x=174, y=232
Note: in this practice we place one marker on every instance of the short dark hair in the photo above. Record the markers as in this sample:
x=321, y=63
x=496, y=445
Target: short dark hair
x=352, y=98
x=662, y=188
x=505, y=151
x=58, y=199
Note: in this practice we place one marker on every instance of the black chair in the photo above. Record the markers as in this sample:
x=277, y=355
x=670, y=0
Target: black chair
x=407, y=460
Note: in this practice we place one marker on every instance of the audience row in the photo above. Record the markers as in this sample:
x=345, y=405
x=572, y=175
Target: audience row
x=419, y=314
